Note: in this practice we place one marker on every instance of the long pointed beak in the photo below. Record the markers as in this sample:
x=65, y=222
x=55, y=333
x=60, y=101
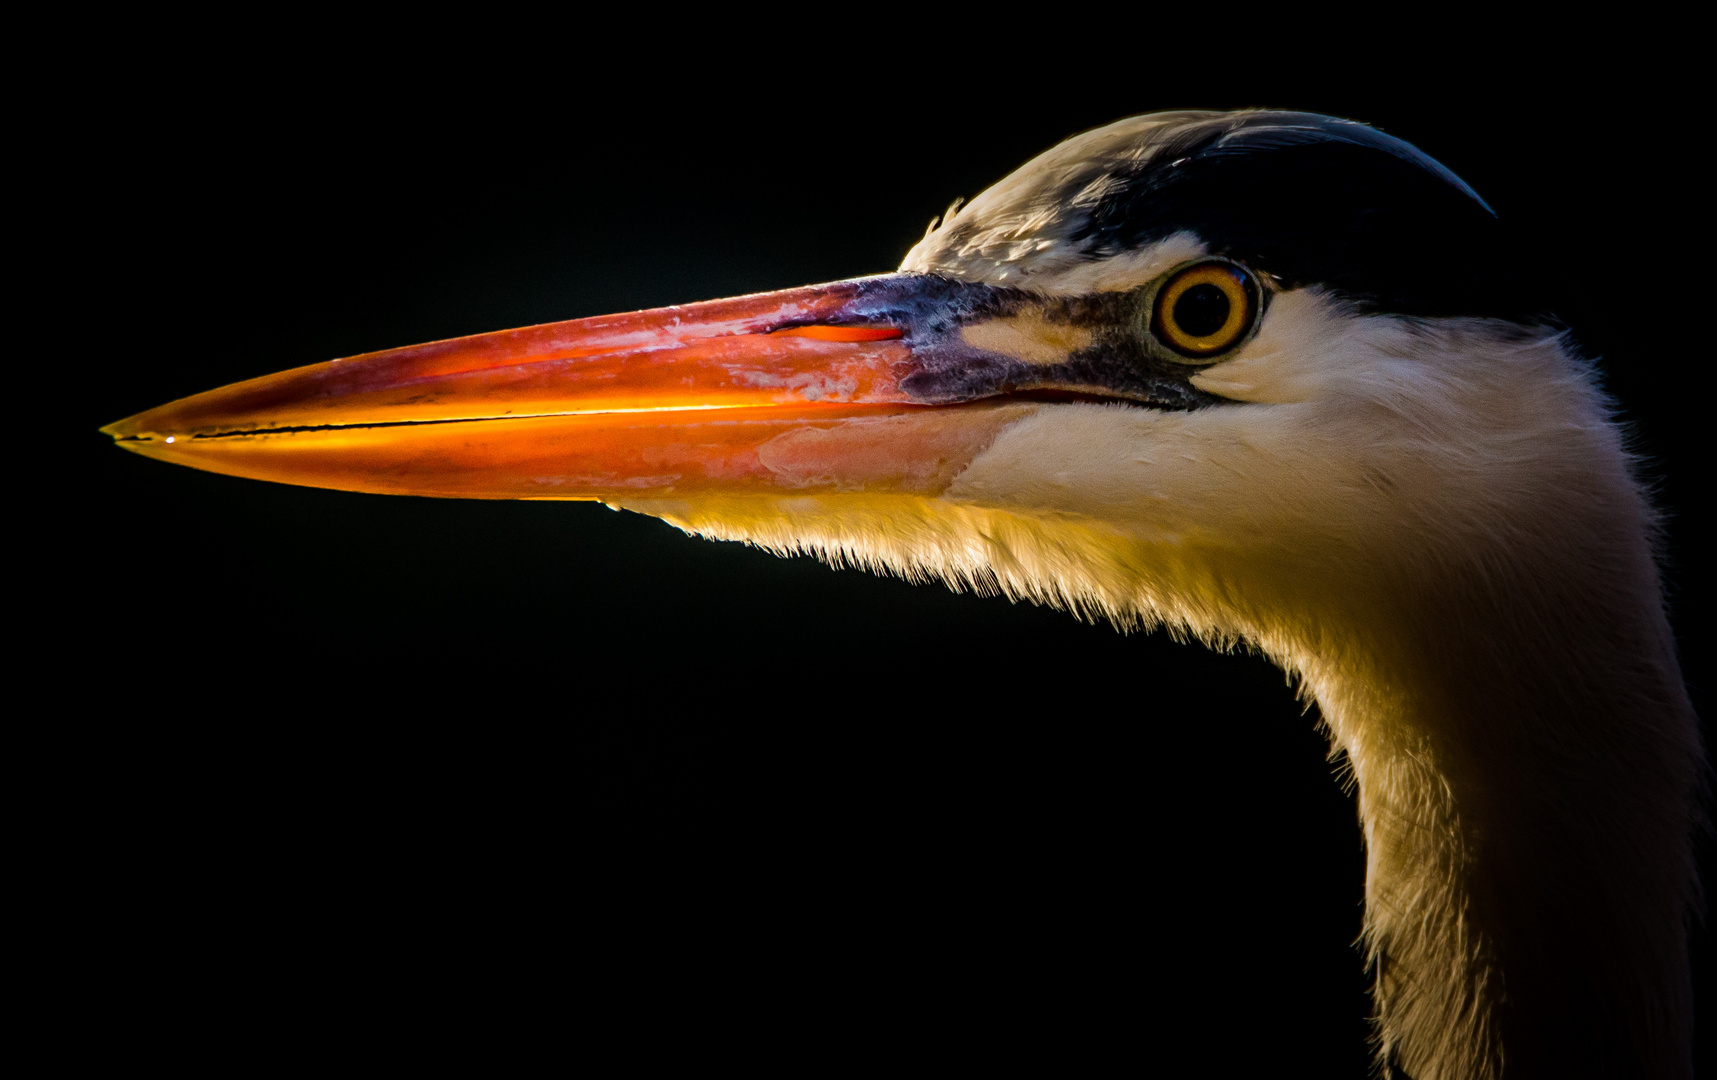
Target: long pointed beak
x=824, y=387
x=648, y=403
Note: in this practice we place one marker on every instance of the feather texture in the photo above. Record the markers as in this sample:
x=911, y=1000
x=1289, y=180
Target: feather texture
x=1435, y=526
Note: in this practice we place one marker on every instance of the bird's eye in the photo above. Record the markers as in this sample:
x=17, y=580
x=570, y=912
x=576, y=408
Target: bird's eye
x=1205, y=309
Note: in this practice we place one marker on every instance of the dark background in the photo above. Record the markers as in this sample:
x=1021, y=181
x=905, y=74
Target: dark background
x=479, y=777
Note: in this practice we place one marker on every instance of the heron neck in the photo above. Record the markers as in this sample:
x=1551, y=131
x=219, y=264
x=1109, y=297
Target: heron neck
x=1526, y=756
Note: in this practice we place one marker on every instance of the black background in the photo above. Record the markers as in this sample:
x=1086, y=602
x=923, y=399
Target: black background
x=489, y=778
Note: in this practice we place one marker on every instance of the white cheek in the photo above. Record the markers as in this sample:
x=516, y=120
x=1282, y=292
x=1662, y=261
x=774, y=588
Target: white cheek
x=1295, y=355
x=1080, y=458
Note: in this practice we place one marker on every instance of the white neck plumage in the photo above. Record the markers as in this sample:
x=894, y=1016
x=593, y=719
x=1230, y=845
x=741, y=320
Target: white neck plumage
x=1435, y=525
x=1508, y=695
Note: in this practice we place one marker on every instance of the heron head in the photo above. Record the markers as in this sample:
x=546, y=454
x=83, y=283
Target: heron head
x=1172, y=350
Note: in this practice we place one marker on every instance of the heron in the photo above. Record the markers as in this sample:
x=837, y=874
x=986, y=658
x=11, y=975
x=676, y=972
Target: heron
x=1264, y=378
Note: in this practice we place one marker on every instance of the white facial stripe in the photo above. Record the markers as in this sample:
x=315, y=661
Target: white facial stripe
x=1052, y=266
x=1125, y=272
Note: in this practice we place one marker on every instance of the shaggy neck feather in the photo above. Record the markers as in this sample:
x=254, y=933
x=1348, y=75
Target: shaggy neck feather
x=1522, y=792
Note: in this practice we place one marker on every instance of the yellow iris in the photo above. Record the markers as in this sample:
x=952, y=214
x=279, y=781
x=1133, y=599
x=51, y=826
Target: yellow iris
x=1204, y=309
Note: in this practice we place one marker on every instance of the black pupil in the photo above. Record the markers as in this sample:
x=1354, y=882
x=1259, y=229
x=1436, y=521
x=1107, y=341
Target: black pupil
x=1201, y=310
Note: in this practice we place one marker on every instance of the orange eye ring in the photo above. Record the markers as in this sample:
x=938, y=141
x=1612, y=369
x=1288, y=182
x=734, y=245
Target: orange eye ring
x=1204, y=309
